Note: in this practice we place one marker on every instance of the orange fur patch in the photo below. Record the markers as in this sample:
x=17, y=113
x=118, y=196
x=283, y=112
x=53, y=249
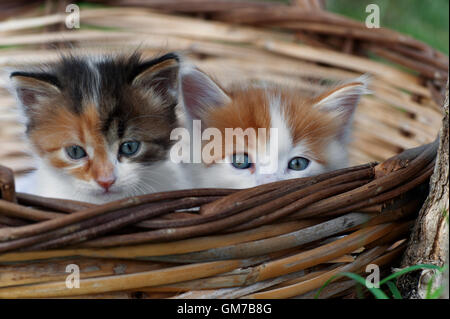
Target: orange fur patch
x=308, y=124
x=251, y=109
x=61, y=128
x=247, y=109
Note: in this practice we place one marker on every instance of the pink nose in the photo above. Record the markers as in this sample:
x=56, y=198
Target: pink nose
x=106, y=182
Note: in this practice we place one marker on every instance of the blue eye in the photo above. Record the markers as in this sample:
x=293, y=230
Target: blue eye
x=298, y=163
x=129, y=148
x=75, y=152
x=241, y=161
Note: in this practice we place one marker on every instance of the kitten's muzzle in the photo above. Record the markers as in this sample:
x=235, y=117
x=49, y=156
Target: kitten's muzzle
x=106, y=182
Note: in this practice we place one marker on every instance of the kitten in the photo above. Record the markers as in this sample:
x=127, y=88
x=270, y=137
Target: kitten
x=99, y=127
x=312, y=132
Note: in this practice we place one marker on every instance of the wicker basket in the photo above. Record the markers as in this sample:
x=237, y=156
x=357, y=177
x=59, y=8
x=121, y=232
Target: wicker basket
x=279, y=240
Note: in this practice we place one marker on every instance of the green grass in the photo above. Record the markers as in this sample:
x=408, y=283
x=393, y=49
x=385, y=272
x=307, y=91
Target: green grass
x=395, y=293
x=425, y=20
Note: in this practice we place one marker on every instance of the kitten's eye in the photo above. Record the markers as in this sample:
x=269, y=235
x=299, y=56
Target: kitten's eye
x=129, y=148
x=241, y=161
x=298, y=163
x=75, y=152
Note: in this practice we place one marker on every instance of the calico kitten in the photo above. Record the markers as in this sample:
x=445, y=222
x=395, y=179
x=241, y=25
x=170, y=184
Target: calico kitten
x=312, y=132
x=99, y=127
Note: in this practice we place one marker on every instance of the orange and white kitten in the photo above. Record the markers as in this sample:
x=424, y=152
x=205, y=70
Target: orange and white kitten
x=312, y=133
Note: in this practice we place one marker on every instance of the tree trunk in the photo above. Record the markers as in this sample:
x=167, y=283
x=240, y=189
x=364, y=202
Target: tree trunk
x=429, y=240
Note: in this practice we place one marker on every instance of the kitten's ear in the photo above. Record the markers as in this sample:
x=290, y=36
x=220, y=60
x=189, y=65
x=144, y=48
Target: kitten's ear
x=159, y=76
x=200, y=93
x=341, y=102
x=34, y=89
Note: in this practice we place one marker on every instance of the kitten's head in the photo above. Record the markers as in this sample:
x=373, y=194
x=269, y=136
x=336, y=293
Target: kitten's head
x=100, y=124
x=311, y=133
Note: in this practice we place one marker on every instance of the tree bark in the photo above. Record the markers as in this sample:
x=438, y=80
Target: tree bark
x=429, y=240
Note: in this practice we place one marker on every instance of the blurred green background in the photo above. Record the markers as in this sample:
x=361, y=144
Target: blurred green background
x=425, y=20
